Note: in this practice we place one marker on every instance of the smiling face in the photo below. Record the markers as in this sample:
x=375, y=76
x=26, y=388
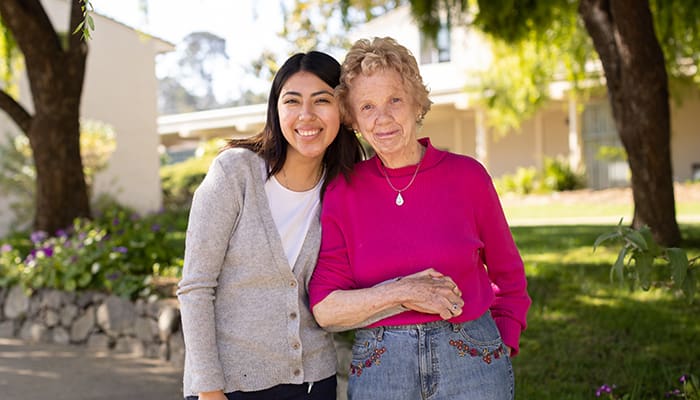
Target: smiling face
x=385, y=114
x=309, y=115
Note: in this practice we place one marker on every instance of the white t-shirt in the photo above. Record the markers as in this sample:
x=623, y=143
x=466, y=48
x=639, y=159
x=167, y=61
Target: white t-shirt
x=293, y=213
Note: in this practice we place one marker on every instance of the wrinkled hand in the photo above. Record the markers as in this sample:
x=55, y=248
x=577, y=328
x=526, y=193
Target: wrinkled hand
x=431, y=292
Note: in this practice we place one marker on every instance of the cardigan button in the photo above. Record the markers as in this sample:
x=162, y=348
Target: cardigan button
x=297, y=372
x=293, y=315
x=296, y=346
x=293, y=283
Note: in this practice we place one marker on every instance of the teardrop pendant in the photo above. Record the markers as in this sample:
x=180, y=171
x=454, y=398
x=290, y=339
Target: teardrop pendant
x=399, y=199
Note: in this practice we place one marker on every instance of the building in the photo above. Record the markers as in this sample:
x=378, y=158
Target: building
x=120, y=89
x=560, y=129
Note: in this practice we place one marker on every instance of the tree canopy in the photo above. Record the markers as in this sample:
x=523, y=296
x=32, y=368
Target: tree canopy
x=640, y=44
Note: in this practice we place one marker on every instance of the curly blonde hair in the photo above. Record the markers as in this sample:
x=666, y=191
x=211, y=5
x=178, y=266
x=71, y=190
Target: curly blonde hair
x=367, y=57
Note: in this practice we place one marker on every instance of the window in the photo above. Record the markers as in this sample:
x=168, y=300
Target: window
x=435, y=50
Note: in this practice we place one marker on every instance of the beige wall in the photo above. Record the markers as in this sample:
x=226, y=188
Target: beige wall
x=455, y=130
x=685, y=134
x=120, y=89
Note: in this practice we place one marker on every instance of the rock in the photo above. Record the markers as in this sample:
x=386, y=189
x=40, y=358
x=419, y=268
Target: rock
x=16, y=303
x=176, y=345
x=82, y=326
x=146, y=329
x=7, y=329
x=52, y=299
x=68, y=314
x=130, y=345
x=168, y=320
x=99, y=342
x=51, y=318
x=60, y=335
x=116, y=316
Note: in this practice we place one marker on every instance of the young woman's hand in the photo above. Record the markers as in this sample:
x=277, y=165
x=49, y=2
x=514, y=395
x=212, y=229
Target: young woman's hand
x=217, y=395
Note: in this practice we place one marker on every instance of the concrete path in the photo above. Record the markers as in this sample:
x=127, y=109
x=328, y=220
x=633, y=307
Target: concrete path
x=49, y=371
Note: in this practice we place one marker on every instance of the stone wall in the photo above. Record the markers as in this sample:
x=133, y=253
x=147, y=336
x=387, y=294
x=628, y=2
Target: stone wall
x=101, y=322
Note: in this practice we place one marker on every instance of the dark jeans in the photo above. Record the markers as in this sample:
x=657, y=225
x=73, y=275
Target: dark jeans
x=321, y=390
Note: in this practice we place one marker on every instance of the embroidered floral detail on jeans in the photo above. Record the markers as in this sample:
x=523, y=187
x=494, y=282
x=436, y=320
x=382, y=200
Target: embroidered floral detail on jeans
x=486, y=355
x=374, y=359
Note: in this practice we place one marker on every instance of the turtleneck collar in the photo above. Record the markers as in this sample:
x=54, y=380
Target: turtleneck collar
x=431, y=157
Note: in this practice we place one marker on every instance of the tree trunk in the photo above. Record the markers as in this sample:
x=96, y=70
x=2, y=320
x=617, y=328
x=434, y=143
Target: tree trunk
x=56, y=73
x=623, y=35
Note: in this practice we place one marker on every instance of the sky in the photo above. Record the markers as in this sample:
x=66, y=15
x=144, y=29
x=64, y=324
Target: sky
x=249, y=26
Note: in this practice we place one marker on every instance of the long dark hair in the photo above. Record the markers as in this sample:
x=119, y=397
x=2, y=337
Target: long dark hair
x=270, y=144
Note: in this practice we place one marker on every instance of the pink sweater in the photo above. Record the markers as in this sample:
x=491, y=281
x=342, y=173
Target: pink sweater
x=451, y=220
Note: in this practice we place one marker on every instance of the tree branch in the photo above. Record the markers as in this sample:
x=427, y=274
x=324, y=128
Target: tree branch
x=27, y=20
x=15, y=110
x=598, y=20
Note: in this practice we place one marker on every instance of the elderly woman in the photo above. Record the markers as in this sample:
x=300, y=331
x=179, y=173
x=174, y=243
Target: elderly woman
x=409, y=208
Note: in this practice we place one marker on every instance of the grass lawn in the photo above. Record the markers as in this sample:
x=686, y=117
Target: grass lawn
x=585, y=331
x=584, y=209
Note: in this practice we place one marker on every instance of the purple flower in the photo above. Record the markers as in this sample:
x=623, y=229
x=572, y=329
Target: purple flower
x=120, y=249
x=38, y=236
x=113, y=276
x=6, y=247
x=603, y=389
x=135, y=217
x=683, y=378
x=115, y=221
x=48, y=251
x=61, y=233
x=155, y=227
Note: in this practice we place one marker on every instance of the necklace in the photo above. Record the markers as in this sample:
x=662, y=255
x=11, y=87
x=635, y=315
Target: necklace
x=317, y=179
x=399, y=198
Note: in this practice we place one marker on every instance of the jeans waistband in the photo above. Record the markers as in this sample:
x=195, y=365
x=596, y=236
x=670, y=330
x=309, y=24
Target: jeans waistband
x=425, y=327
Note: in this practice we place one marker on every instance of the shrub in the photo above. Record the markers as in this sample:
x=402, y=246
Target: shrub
x=180, y=180
x=558, y=175
x=555, y=176
x=524, y=181
x=640, y=256
x=119, y=252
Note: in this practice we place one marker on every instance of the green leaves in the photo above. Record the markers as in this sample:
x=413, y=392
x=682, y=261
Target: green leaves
x=678, y=261
x=119, y=252
x=640, y=256
x=87, y=24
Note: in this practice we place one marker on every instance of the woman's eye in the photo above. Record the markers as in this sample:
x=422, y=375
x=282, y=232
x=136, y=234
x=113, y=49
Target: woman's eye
x=366, y=107
x=395, y=100
x=323, y=100
x=290, y=101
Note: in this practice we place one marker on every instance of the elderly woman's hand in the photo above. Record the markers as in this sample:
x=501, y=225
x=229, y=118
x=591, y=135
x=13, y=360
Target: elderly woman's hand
x=431, y=292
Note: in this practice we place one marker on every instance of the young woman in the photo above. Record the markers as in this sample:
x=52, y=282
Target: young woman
x=252, y=244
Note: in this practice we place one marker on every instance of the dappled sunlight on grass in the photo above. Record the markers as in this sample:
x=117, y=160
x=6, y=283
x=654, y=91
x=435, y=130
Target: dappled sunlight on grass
x=598, y=301
x=584, y=330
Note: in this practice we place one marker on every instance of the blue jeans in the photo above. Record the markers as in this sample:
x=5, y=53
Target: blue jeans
x=436, y=361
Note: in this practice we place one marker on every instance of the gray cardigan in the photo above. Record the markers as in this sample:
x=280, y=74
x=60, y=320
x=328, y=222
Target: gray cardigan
x=245, y=313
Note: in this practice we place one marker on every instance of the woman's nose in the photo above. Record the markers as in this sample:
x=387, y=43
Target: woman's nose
x=306, y=113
